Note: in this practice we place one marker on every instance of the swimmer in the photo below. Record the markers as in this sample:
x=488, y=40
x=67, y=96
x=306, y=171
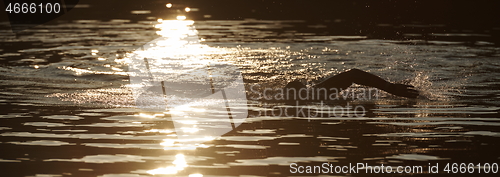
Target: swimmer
x=345, y=79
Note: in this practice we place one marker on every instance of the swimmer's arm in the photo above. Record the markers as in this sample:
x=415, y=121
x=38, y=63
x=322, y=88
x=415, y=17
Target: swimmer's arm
x=345, y=79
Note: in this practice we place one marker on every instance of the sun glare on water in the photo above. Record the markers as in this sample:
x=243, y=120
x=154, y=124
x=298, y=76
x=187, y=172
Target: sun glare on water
x=178, y=164
x=177, y=51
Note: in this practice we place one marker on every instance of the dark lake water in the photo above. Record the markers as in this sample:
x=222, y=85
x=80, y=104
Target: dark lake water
x=68, y=107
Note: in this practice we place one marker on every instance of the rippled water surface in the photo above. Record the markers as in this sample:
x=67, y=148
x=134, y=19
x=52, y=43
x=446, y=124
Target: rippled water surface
x=68, y=108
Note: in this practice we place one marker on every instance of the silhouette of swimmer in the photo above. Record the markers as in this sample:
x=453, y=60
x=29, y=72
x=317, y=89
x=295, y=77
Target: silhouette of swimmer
x=345, y=79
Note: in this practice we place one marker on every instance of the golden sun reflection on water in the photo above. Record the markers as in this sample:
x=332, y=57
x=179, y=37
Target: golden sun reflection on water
x=178, y=165
x=180, y=161
x=178, y=51
x=186, y=144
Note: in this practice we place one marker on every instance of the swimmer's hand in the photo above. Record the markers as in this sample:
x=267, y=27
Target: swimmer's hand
x=402, y=90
